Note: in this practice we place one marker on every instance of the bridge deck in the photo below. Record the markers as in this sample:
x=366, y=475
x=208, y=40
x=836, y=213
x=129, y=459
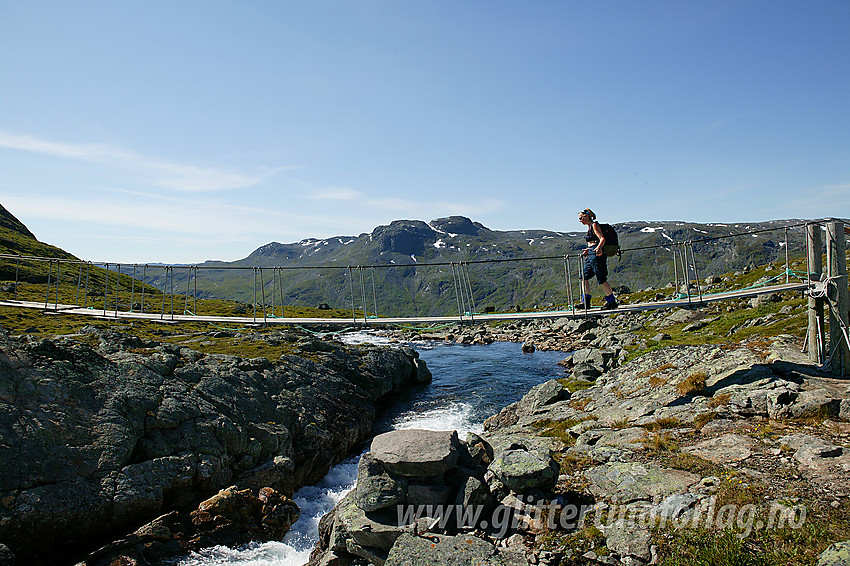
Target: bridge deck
x=570, y=313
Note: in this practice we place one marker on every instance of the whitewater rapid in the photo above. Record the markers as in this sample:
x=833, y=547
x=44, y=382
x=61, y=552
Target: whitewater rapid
x=470, y=383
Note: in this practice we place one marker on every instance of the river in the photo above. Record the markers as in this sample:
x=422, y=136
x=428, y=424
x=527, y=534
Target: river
x=470, y=383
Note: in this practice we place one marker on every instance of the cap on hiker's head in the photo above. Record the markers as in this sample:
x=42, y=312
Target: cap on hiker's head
x=589, y=213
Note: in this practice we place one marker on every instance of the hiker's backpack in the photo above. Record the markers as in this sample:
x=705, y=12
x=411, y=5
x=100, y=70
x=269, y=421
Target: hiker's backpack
x=612, y=244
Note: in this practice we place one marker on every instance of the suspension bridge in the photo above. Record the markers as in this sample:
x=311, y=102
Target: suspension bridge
x=687, y=282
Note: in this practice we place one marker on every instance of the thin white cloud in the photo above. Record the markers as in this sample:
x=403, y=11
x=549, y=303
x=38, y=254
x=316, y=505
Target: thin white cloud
x=335, y=193
x=162, y=173
x=429, y=210
x=823, y=201
x=395, y=204
x=202, y=219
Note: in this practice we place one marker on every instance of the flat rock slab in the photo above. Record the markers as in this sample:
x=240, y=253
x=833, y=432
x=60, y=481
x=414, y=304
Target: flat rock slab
x=723, y=449
x=821, y=461
x=624, y=482
x=629, y=438
x=461, y=550
x=416, y=452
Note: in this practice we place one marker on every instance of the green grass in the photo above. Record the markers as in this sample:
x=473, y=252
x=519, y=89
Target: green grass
x=767, y=546
x=557, y=429
x=201, y=336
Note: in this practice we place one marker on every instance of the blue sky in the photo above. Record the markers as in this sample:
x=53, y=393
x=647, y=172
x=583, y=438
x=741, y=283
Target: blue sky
x=183, y=130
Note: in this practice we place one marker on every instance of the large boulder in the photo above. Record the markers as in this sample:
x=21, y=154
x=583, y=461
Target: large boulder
x=367, y=535
x=416, y=452
x=520, y=470
x=375, y=487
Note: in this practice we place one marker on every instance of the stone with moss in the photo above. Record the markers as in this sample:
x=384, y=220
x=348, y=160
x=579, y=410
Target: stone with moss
x=521, y=470
x=838, y=554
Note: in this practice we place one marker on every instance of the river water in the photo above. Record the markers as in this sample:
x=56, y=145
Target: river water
x=470, y=383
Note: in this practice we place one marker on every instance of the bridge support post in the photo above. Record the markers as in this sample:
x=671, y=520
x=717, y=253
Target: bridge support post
x=814, y=260
x=839, y=304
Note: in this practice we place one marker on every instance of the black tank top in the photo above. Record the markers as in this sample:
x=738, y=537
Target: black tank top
x=591, y=236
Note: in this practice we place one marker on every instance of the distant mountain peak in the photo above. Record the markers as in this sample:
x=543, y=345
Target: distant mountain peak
x=457, y=225
x=406, y=237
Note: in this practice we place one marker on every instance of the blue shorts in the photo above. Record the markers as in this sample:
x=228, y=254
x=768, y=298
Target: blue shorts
x=595, y=265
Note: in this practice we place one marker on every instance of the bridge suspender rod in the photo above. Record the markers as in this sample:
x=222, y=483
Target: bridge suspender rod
x=86, y=298
x=675, y=272
x=464, y=299
x=351, y=285
x=117, y=289
x=469, y=288
x=274, y=292
x=56, y=288
x=164, y=287
x=787, y=263
x=686, y=274
x=255, y=295
x=457, y=295
x=47, y=295
x=374, y=293
x=144, y=283
x=195, y=292
x=467, y=306
x=465, y=287
x=171, y=269
x=106, y=290
x=57, y=284
x=696, y=272
x=363, y=294
x=280, y=290
x=79, y=281
x=116, y=292
x=581, y=287
x=263, y=289
x=133, y=289
x=188, y=283
x=17, y=271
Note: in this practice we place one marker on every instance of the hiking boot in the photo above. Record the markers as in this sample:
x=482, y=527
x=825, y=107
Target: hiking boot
x=610, y=305
x=582, y=306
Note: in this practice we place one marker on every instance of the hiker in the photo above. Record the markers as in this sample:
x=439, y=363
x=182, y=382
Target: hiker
x=595, y=262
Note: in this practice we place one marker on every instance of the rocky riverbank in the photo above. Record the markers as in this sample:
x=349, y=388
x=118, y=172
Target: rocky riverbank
x=102, y=431
x=733, y=453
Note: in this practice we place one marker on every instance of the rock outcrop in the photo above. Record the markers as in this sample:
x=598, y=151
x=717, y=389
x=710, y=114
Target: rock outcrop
x=103, y=431
x=710, y=437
